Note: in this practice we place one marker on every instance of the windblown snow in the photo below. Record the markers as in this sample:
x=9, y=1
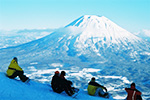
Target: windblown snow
x=91, y=46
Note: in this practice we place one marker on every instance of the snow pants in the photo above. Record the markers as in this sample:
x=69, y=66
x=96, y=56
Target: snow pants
x=99, y=91
x=21, y=75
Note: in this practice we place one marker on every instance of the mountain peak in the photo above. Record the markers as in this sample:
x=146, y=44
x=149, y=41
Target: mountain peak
x=92, y=16
x=88, y=20
x=99, y=28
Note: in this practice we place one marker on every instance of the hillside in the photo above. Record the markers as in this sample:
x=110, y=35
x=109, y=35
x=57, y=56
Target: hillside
x=11, y=89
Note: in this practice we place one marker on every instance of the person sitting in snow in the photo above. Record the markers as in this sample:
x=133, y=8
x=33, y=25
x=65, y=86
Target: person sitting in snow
x=15, y=70
x=60, y=84
x=56, y=83
x=133, y=93
x=96, y=89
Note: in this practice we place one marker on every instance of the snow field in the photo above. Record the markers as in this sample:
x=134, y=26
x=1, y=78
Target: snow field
x=13, y=89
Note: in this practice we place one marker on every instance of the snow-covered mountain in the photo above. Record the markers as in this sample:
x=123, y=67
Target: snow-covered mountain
x=84, y=39
x=100, y=35
x=88, y=43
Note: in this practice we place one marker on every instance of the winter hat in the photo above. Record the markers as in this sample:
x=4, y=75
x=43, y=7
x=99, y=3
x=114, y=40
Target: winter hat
x=63, y=73
x=93, y=79
x=15, y=58
x=133, y=84
x=57, y=72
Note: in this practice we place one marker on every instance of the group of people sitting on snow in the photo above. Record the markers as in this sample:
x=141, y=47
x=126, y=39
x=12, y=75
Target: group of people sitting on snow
x=59, y=83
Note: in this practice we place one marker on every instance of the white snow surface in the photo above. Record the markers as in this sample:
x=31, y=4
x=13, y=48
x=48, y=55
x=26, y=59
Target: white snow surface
x=14, y=89
x=90, y=46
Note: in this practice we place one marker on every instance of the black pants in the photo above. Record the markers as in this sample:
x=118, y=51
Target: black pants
x=57, y=88
x=61, y=88
x=68, y=89
x=22, y=77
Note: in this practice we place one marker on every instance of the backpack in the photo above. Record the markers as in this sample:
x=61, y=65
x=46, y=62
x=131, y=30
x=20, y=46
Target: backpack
x=138, y=97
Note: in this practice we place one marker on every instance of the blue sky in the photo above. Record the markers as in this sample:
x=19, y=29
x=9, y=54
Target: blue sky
x=132, y=15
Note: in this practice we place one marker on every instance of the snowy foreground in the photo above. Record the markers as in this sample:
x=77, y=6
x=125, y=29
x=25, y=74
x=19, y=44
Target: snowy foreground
x=11, y=89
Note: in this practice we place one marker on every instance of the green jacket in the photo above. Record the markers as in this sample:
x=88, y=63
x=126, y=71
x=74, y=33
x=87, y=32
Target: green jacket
x=13, y=67
x=92, y=86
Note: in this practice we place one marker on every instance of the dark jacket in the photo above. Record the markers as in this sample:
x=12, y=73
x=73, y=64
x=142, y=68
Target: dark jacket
x=56, y=84
x=64, y=81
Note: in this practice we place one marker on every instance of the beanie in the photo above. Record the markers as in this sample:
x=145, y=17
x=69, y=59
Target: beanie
x=57, y=72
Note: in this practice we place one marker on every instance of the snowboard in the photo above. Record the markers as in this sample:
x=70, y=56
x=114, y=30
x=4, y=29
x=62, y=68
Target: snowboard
x=76, y=92
x=108, y=96
x=27, y=81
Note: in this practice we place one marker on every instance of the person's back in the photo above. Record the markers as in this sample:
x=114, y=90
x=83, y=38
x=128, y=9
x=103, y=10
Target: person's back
x=56, y=83
x=15, y=70
x=132, y=92
x=92, y=86
x=96, y=89
x=64, y=81
x=60, y=84
x=66, y=84
x=13, y=66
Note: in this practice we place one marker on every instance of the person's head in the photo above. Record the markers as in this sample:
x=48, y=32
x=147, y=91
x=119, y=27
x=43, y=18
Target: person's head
x=15, y=58
x=93, y=79
x=56, y=72
x=133, y=85
x=63, y=73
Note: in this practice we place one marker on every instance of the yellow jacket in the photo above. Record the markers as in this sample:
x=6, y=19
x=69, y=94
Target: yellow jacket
x=92, y=89
x=13, y=67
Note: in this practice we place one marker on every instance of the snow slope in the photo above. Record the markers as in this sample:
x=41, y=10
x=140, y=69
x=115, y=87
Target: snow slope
x=88, y=43
x=11, y=89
